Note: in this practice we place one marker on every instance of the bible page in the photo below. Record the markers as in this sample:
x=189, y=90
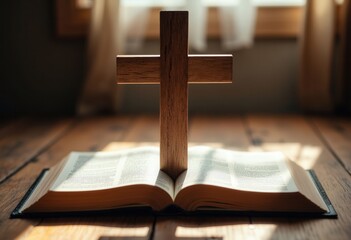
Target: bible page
x=248, y=171
x=206, y=165
x=260, y=172
x=102, y=170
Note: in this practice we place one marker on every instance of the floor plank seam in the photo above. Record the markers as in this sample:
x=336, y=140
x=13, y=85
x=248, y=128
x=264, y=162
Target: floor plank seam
x=320, y=135
x=42, y=150
x=153, y=227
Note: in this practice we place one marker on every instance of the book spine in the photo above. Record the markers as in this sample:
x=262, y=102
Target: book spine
x=16, y=213
x=331, y=210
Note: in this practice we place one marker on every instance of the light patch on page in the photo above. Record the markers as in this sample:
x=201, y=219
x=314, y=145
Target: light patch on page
x=102, y=170
x=207, y=166
x=88, y=171
x=261, y=172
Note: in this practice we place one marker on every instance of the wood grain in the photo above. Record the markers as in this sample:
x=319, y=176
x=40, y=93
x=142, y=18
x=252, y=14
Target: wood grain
x=295, y=137
x=145, y=131
x=203, y=228
x=173, y=78
x=145, y=69
x=223, y=132
x=108, y=227
x=174, y=92
x=23, y=140
x=316, y=56
x=336, y=132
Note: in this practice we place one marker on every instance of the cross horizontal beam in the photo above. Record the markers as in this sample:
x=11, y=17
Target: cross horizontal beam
x=173, y=70
x=145, y=69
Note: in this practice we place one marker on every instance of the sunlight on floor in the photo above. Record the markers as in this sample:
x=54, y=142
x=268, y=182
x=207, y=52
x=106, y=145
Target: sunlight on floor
x=227, y=232
x=305, y=155
x=24, y=233
x=81, y=231
x=112, y=146
x=264, y=231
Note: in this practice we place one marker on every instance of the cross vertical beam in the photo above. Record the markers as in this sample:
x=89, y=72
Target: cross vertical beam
x=174, y=92
x=171, y=71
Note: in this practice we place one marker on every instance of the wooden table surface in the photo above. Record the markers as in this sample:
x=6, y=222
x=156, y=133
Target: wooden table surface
x=28, y=145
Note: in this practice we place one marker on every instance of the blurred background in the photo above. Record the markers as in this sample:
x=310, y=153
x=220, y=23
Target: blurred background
x=290, y=56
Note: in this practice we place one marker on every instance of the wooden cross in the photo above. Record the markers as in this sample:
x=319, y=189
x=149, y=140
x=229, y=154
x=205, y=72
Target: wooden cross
x=170, y=69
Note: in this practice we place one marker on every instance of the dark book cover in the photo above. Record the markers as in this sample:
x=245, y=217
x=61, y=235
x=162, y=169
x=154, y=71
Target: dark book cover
x=173, y=210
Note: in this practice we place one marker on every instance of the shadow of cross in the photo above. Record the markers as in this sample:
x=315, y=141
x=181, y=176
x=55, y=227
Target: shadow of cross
x=170, y=70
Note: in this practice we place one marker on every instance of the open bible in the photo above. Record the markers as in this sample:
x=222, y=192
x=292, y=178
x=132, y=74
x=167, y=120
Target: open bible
x=216, y=179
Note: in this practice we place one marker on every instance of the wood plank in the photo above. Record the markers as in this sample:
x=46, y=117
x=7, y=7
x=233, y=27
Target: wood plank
x=336, y=132
x=145, y=69
x=174, y=92
x=222, y=132
x=197, y=228
x=144, y=132
x=89, y=135
x=295, y=137
x=22, y=140
x=108, y=227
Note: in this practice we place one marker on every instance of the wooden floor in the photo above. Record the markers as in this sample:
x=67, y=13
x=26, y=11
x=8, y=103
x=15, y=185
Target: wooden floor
x=29, y=145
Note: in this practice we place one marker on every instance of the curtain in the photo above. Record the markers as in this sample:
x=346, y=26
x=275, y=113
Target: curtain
x=99, y=92
x=237, y=20
x=113, y=21
x=317, y=41
x=325, y=75
x=237, y=24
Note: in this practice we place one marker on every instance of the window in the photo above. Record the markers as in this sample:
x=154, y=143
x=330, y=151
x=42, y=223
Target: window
x=275, y=18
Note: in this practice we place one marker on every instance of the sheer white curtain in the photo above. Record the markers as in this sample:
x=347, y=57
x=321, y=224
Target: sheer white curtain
x=236, y=17
x=104, y=41
x=118, y=26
